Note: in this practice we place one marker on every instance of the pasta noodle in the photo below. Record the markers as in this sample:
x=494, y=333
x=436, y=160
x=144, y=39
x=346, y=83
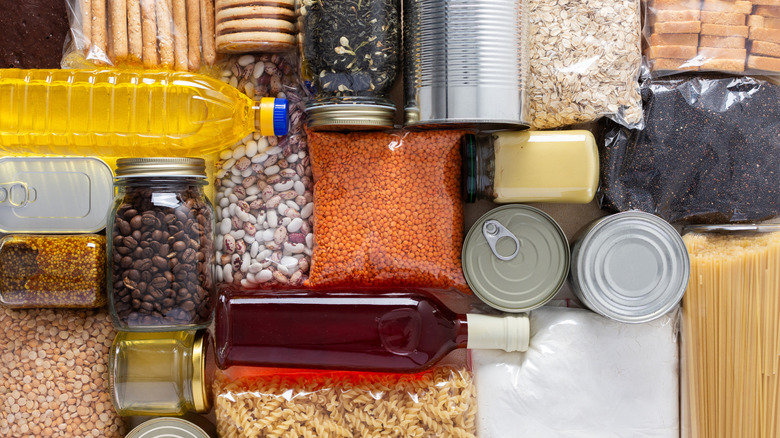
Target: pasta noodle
x=436, y=403
x=731, y=319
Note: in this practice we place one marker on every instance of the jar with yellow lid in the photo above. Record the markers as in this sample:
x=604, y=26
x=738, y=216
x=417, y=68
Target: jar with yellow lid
x=161, y=373
x=531, y=166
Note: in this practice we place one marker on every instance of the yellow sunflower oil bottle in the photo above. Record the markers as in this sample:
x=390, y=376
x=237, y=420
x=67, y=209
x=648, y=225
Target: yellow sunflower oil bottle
x=128, y=113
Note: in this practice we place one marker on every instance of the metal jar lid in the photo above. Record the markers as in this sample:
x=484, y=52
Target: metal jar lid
x=632, y=267
x=515, y=258
x=167, y=428
x=161, y=167
x=350, y=116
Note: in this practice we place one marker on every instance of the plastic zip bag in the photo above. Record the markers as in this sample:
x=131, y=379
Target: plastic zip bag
x=264, y=402
x=154, y=34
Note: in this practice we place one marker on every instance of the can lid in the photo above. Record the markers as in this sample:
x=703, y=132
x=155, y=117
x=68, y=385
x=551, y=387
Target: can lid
x=632, y=267
x=353, y=116
x=200, y=386
x=160, y=167
x=522, y=274
x=167, y=428
x=54, y=194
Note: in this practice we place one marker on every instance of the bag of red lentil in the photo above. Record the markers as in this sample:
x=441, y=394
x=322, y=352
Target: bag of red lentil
x=387, y=209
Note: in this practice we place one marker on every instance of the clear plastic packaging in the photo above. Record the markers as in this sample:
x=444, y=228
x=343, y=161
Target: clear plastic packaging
x=585, y=61
x=53, y=271
x=161, y=246
x=165, y=34
x=264, y=186
x=127, y=113
x=55, y=374
x=265, y=402
x=731, y=332
x=249, y=26
x=583, y=376
x=709, y=152
x=389, y=210
x=731, y=36
x=351, y=51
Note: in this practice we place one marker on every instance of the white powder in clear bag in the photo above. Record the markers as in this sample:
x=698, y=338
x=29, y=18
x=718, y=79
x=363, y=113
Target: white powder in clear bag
x=583, y=376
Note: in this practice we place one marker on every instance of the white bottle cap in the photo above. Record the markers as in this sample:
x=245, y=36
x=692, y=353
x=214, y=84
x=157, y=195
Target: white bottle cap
x=508, y=333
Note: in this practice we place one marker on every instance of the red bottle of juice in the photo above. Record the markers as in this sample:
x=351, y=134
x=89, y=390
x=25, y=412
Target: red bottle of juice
x=401, y=331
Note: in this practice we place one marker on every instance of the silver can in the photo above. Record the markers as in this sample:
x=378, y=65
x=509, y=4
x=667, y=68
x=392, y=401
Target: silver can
x=167, y=428
x=632, y=267
x=467, y=63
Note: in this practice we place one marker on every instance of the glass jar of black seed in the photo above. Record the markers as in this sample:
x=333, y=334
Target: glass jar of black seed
x=161, y=246
x=351, y=52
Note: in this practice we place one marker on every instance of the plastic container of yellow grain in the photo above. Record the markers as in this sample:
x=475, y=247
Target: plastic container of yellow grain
x=53, y=271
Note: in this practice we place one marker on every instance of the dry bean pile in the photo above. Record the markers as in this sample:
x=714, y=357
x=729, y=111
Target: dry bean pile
x=388, y=209
x=53, y=374
x=264, y=187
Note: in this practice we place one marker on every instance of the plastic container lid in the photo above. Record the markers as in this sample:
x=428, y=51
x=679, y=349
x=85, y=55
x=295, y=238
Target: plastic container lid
x=272, y=117
x=54, y=195
x=632, y=267
x=522, y=276
x=167, y=428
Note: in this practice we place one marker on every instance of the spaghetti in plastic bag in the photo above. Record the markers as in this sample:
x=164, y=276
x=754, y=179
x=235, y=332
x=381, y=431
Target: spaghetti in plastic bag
x=436, y=403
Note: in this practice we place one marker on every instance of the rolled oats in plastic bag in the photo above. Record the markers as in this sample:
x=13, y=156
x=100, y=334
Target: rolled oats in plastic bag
x=154, y=34
x=388, y=210
x=436, y=403
x=585, y=62
x=264, y=187
x=731, y=36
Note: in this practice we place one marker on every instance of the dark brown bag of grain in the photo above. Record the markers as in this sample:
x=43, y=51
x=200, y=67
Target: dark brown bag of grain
x=710, y=152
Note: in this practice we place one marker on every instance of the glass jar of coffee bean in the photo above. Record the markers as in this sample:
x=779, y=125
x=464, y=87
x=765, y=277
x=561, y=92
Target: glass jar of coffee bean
x=351, y=52
x=161, y=246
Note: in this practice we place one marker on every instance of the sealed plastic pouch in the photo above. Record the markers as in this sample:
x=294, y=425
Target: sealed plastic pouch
x=709, y=152
x=265, y=402
x=177, y=34
x=388, y=209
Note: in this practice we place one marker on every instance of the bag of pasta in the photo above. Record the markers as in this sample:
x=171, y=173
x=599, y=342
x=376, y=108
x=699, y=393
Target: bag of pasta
x=436, y=403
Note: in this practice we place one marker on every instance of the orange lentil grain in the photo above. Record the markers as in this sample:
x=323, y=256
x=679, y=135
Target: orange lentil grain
x=387, y=209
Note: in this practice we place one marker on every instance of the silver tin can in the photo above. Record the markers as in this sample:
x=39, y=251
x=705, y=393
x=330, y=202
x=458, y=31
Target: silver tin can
x=515, y=258
x=466, y=63
x=167, y=428
x=632, y=267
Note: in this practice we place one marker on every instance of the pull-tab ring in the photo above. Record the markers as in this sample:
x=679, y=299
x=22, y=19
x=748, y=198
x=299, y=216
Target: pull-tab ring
x=14, y=194
x=493, y=232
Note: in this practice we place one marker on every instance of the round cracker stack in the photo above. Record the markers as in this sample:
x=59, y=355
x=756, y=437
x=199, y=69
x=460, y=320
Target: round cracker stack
x=255, y=26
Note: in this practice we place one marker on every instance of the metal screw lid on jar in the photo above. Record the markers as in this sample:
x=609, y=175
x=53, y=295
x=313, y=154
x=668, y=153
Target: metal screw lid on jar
x=167, y=428
x=632, y=267
x=350, y=116
x=161, y=167
x=515, y=258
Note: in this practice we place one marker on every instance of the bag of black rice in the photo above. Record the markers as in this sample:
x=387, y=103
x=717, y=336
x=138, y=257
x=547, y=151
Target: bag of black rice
x=710, y=152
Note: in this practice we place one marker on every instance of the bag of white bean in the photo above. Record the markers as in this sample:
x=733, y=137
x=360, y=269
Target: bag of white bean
x=264, y=186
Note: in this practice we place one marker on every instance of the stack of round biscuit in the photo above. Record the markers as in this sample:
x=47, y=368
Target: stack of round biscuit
x=255, y=26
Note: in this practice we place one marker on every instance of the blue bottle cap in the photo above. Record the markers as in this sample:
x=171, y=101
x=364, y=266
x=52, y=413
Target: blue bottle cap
x=281, y=117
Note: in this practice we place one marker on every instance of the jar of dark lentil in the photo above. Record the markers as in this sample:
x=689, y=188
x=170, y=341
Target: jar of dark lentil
x=351, y=52
x=161, y=245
